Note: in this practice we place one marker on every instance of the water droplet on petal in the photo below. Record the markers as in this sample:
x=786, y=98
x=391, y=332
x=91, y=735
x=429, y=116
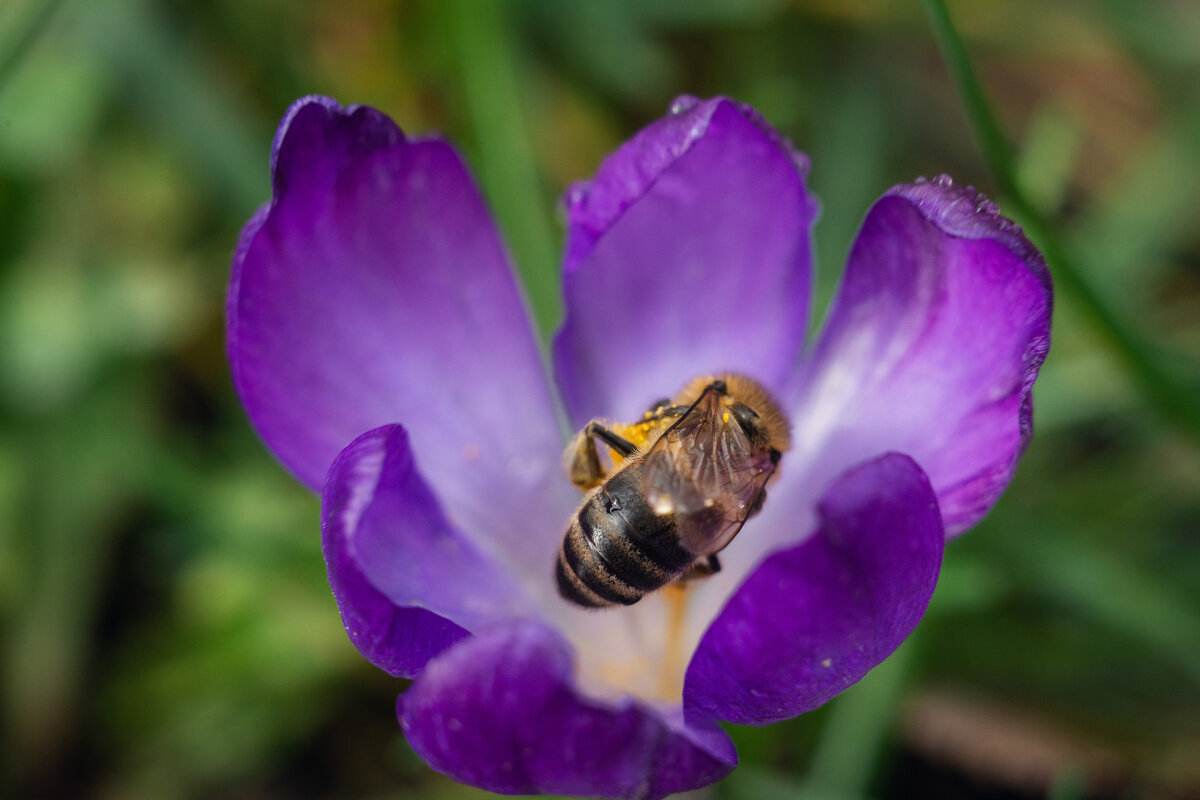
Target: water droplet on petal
x=577, y=195
x=943, y=180
x=684, y=103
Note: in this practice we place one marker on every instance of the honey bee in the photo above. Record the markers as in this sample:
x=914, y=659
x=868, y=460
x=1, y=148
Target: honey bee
x=687, y=477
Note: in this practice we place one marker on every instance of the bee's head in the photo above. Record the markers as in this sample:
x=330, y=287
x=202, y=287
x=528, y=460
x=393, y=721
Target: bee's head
x=751, y=424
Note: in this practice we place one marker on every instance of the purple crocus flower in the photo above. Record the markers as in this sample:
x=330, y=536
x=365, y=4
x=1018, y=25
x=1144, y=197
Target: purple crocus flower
x=384, y=354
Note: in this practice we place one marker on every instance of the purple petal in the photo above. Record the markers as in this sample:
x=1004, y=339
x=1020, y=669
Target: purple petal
x=812, y=620
x=688, y=253
x=407, y=583
x=376, y=290
x=501, y=711
x=931, y=348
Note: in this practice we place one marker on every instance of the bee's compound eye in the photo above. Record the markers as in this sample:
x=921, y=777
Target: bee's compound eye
x=746, y=417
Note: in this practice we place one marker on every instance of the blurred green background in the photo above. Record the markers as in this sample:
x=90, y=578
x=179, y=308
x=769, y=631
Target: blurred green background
x=167, y=631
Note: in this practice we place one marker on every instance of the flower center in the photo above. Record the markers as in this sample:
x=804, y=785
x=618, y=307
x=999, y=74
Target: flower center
x=641, y=651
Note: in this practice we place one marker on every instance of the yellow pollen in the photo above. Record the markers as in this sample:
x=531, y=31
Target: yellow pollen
x=725, y=417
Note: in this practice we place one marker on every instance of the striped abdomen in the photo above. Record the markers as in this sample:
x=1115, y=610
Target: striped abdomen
x=617, y=549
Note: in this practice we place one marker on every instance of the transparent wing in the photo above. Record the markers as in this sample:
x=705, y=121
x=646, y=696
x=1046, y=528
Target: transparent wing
x=705, y=472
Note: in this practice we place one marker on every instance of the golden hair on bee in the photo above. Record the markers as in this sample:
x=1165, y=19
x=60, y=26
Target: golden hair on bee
x=750, y=392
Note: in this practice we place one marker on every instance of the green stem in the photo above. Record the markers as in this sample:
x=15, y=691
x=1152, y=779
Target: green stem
x=856, y=731
x=1173, y=397
x=507, y=162
x=984, y=126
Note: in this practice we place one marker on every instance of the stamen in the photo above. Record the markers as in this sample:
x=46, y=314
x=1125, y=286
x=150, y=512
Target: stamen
x=670, y=682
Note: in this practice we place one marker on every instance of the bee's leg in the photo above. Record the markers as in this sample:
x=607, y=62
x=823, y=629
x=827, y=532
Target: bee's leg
x=756, y=504
x=583, y=462
x=621, y=445
x=702, y=569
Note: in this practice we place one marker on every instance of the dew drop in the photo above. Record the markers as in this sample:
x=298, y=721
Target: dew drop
x=684, y=103
x=577, y=195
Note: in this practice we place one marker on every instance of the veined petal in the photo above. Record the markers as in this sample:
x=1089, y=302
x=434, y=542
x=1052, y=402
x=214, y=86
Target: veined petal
x=376, y=290
x=931, y=348
x=812, y=620
x=689, y=252
x=501, y=711
x=407, y=583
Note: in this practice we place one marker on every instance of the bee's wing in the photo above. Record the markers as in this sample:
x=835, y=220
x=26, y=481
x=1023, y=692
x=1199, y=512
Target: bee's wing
x=704, y=471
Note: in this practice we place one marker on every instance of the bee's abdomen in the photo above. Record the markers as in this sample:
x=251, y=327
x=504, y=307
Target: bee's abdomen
x=617, y=549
